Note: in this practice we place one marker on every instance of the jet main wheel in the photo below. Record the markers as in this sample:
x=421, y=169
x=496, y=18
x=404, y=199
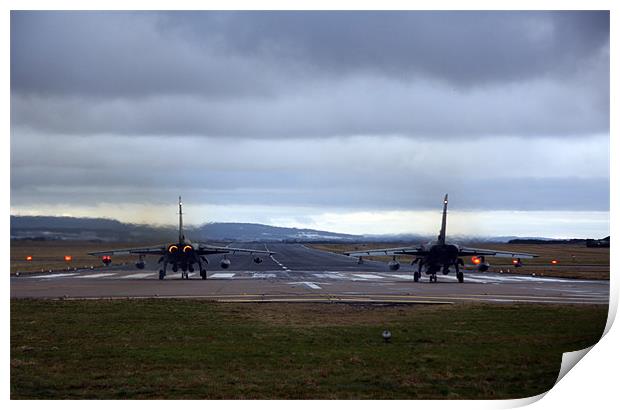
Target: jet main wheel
x=162, y=275
x=416, y=276
x=459, y=276
x=203, y=274
x=433, y=278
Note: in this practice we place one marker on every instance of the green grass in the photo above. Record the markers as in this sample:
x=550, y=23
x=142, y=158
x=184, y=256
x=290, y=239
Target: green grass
x=196, y=349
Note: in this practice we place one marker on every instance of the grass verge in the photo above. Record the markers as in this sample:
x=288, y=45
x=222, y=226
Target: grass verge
x=177, y=349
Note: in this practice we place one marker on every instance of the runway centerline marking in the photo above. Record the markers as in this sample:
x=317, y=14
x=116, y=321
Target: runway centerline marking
x=284, y=268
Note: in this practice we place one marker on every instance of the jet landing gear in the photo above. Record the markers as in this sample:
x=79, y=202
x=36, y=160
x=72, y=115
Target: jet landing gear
x=459, y=274
x=203, y=274
x=162, y=274
x=418, y=273
x=433, y=278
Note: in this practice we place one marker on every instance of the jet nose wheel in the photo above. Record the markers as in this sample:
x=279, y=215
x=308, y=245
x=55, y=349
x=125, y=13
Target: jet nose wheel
x=162, y=275
x=416, y=276
x=203, y=274
x=459, y=276
x=433, y=278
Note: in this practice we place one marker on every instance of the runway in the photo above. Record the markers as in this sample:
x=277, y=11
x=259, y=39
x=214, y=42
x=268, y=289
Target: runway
x=298, y=273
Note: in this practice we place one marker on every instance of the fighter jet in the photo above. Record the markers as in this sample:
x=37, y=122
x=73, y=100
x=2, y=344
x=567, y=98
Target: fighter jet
x=439, y=255
x=182, y=254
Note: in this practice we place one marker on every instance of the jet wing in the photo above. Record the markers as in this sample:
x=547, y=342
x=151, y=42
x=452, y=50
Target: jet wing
x=152, y=250
x=210, y=250
x=497, y=254
x=389, y=251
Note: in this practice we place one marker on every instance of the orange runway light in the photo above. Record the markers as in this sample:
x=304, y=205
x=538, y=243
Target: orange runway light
x=68, y=258
x=29, y=258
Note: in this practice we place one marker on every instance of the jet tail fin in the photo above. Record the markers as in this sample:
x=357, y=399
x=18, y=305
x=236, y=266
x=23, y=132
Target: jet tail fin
x=181, y=234
x=442, y=233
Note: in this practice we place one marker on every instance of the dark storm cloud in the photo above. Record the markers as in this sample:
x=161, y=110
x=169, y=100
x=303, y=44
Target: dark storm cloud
x=311, y=73
x=122, y=53
x=348, y=110
x=463, y=48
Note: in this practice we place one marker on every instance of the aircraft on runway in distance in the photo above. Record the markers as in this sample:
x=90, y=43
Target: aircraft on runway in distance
x=182, y=254
x=439, y=255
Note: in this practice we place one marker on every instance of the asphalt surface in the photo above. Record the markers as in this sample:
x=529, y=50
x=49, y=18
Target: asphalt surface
x=299, y=273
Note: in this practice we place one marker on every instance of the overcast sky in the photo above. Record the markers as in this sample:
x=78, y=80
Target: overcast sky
x=355, y=122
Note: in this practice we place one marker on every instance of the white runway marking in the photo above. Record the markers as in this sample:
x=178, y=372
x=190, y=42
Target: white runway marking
x=410, y=277
x=311, y=285
x=137, y=276
x=222, y=275
x=55, y=275
x=329, y=275
x=367, y=276
x=514, y=278
x=96, y=275
x=474, y=280
x=284, y=268
x=263, y=275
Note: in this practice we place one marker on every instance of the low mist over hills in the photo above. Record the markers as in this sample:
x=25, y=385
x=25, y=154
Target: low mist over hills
x=52, y=227
x=108, y=230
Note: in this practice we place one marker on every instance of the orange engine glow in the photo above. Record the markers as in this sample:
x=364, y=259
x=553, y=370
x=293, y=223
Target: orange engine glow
x=29, y=257
x=554, y=262
x=106, y=258
x=476, y=260
x=68, y=258
x=187, y=248
x=173, y=248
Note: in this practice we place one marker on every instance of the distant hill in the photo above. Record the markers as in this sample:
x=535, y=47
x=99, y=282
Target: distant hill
x=591, y=243
x=63, y=227
x=260, y=232
x=54, y=227
x=101, y=229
